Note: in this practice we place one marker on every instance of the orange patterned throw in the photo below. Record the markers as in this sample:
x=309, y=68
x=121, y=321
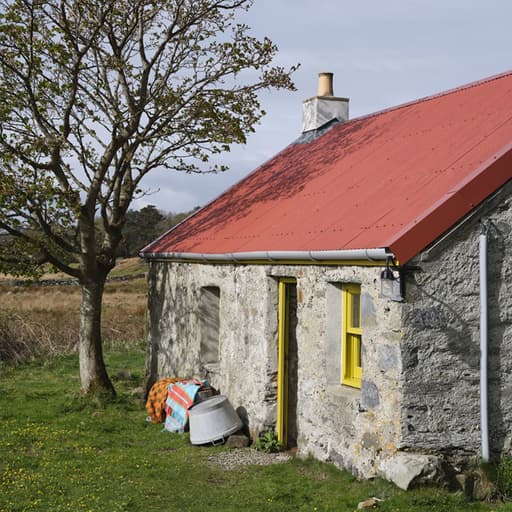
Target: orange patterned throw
x=155, y=404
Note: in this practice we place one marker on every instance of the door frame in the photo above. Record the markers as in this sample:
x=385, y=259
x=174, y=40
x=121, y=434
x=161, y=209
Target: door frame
x=282, y=352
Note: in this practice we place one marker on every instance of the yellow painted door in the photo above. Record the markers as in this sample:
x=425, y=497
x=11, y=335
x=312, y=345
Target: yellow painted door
x=283, y=383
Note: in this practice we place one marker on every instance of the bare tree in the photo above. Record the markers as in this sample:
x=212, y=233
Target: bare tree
x=94, y=95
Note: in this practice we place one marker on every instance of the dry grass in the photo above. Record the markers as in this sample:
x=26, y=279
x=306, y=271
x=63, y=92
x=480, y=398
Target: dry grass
x=124, y=267
x=129, y=266
x=43, y=321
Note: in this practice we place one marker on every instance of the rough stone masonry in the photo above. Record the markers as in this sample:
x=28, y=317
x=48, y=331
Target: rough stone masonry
x=420, y=358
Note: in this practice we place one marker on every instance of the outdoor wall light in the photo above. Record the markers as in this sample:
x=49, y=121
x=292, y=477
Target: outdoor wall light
x=390, y=287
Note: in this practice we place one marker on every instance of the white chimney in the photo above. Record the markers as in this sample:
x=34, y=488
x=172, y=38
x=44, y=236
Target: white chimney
x=324, y=107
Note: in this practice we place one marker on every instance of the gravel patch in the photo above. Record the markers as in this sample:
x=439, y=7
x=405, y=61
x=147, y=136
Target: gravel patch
x=233, y=459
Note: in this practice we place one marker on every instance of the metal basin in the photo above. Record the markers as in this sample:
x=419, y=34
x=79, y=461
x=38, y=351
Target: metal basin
x=213, y=420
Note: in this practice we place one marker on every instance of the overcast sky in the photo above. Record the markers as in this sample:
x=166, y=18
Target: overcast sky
x=382, y=53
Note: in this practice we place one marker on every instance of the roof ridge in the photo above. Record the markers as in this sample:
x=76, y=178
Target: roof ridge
x=434, y=96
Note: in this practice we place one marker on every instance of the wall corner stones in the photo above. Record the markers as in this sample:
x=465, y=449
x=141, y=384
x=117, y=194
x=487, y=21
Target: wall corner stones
x=407, y=470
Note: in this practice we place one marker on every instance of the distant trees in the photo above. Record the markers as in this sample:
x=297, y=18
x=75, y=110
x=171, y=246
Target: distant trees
x=143, y=226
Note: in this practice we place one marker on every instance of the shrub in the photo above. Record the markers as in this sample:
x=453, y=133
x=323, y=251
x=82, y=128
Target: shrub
x=504, y=476
x=268, y=443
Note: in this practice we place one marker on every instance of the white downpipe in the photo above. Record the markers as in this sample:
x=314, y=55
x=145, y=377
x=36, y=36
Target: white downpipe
x=484, y=420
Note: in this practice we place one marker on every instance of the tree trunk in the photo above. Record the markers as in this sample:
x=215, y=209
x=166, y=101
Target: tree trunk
x=93, y=374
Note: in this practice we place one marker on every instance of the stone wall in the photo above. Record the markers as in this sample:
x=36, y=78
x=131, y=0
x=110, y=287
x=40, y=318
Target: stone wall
x=350, y=427
x=247, y=332
x=441, y=337
x=420, y=388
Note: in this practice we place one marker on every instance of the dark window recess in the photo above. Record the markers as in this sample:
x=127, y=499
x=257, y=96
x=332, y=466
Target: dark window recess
x=209, y=320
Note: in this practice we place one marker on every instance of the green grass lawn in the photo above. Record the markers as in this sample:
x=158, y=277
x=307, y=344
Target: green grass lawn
x=61, y=452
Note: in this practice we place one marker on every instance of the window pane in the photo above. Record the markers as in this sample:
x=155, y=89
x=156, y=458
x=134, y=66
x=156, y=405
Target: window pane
x=354, y=353
x=356, y=301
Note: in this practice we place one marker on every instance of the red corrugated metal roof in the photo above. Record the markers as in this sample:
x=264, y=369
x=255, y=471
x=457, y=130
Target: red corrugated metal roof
x=396, y=179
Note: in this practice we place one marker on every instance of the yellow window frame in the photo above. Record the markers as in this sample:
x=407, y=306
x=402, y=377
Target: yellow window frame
x=352, y=334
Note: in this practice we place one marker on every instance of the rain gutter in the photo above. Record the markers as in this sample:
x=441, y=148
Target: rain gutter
x=371, y=255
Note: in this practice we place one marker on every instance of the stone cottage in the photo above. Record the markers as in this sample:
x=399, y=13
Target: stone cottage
x=343, y=292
